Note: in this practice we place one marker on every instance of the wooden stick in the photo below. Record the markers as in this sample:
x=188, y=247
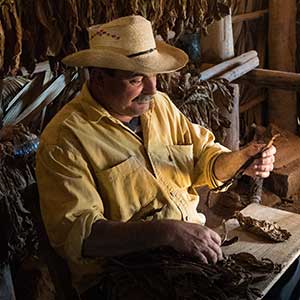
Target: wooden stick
x=273, y=79
x=249, y=16
x=227, y=65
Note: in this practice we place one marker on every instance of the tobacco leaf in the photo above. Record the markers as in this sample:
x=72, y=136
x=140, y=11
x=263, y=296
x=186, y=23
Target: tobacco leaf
x=2, y=45
x=13, y=37
x=164, y=273
x=270, y=230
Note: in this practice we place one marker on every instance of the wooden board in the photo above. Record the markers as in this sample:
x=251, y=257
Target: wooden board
x=283, y=253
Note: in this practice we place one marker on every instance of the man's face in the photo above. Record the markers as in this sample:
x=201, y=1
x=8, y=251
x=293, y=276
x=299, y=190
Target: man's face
x=125, y=94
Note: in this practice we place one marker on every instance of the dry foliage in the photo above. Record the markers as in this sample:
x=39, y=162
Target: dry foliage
x=166, y=274
x=33, y=30
x=195, y=98
x=270, y=230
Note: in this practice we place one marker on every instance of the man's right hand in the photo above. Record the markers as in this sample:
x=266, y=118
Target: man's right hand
x=110, y=238
x=194, y=239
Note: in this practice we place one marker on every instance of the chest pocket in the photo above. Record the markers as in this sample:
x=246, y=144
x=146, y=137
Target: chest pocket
x=182, y=159
x=126, y=188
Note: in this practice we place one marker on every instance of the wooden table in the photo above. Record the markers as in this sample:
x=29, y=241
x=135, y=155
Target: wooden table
x=284, y=253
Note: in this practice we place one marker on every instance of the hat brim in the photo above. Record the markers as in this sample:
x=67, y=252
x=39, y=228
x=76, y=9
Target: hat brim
x=165, y=60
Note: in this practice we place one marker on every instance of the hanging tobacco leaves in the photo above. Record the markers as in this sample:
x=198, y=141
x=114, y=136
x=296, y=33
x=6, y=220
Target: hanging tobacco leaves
x=196, y=100
x=166, y=274
x=36, y=29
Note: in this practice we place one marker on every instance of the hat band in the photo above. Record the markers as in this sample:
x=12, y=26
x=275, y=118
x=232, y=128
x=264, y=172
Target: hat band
x=141, y=53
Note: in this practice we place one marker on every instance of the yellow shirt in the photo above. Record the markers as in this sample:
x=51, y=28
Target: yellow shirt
x=91, y=166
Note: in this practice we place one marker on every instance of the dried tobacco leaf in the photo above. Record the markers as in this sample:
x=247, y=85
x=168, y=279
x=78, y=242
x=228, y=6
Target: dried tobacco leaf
x=164, y=273
x=269, y=230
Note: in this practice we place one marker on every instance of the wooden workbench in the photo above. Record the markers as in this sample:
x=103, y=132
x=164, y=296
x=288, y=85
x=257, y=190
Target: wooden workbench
x=283, y=253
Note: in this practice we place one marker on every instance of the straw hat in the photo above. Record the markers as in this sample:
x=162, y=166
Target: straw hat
x=128, y=44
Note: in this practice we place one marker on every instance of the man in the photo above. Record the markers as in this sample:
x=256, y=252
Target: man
x=121, y=153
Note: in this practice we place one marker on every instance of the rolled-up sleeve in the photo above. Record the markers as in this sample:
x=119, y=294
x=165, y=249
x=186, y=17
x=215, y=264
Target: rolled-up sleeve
x=70, y=202
x=206, y=151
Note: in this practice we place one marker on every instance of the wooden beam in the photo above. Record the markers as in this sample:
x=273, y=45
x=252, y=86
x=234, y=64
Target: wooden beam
x=249, y=16
x=282, y=57
x=273, y=79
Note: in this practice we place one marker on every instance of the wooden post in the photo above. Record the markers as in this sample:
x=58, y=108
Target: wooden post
x=232, y=134
x=216, y=47
x=218, y=44
x=282, y=49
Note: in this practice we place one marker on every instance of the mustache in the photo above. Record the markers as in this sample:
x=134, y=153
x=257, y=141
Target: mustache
x=143, y=98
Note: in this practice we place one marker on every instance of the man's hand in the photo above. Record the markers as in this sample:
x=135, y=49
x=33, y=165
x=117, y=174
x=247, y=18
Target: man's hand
x=262, y=166
x=110, y=238
x=227, y=164
x=195, y=239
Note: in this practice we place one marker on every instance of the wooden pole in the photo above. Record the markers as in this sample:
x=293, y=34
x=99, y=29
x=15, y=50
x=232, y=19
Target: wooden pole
x=273, y=79
x=232, y=134
x=240, y=70
x=227, y=65
x=282, y=51
x=218, y=45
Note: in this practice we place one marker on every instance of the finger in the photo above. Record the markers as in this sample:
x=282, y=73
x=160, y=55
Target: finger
x=263, y=168
x=216, y=237
x=213, y=253
x=202, y=257
x=271, y=151
x=218, y=254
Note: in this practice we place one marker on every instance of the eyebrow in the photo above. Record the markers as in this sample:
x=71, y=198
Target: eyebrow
x=135, y=74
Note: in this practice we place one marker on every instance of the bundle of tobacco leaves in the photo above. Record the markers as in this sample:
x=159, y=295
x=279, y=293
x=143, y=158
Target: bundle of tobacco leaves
x=166, y=274
x=195, y=98
x=18, y=231
x=270, y=230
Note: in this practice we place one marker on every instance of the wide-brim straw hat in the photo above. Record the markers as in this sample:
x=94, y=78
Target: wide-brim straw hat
x=128, y=44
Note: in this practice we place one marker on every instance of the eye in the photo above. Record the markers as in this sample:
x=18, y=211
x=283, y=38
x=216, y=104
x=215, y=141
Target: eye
x=137, y=81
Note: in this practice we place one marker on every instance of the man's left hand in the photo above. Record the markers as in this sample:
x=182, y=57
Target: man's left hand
x=262, y=166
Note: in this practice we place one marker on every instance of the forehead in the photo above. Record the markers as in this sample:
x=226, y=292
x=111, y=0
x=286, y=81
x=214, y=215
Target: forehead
x=128, y=74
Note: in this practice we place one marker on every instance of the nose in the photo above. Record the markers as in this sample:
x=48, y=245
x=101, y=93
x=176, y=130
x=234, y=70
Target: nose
x=149, y=85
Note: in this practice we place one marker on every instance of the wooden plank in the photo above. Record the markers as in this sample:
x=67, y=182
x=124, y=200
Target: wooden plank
x=249, y=16
x=282, y=253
